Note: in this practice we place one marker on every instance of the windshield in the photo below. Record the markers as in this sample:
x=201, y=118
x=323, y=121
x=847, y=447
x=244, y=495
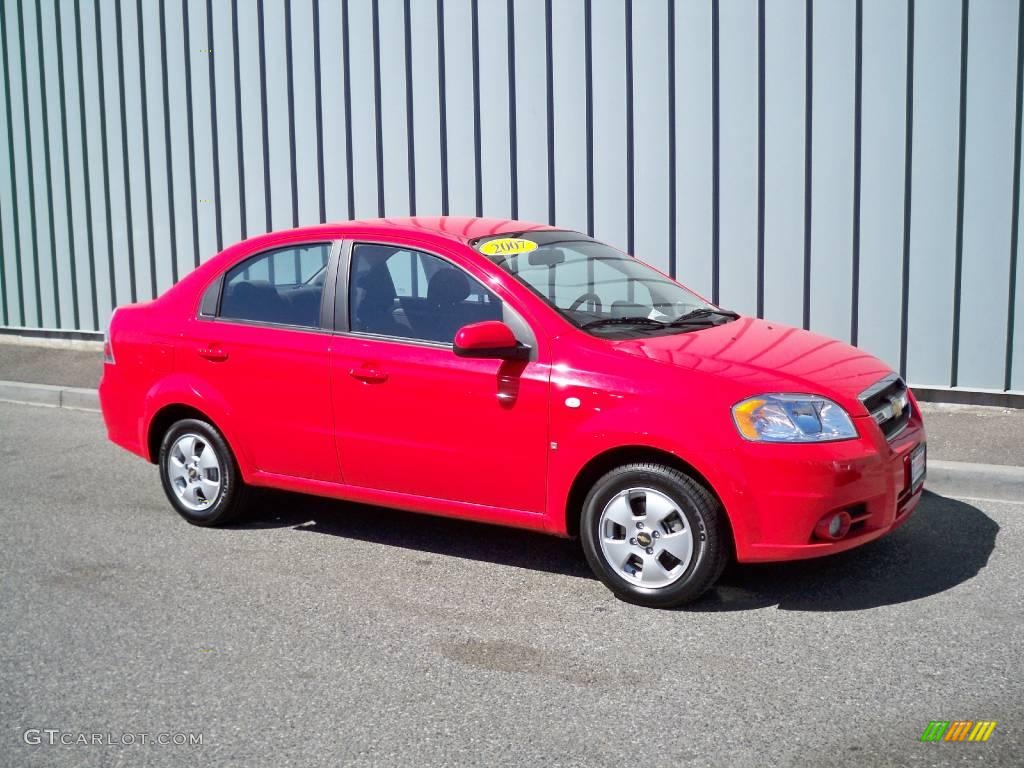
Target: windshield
x=598, y=288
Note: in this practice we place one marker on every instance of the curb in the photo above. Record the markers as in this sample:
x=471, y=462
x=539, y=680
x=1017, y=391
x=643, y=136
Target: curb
x=979, y=481
x=78, y=398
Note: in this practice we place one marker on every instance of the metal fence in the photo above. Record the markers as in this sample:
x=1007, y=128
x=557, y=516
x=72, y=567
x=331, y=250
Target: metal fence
x=852, y=166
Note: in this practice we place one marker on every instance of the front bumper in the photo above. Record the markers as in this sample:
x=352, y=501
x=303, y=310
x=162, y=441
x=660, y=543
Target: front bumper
x=776, y=494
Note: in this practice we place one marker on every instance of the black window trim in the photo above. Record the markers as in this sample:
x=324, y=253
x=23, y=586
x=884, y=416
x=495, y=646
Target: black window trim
x=326, y=296
x=341, y=313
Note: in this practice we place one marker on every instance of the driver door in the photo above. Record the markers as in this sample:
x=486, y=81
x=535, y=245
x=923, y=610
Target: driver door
x=413, y=418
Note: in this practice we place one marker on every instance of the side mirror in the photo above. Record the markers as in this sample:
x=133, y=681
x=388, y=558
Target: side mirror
x=490, y=339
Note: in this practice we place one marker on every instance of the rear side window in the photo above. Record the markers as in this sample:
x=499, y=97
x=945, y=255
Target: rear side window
x=283, y=286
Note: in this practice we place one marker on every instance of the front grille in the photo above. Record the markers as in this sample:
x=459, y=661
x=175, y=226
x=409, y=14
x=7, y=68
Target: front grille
x=888, y=404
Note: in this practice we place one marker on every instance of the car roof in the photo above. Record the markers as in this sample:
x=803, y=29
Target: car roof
x=464, y=229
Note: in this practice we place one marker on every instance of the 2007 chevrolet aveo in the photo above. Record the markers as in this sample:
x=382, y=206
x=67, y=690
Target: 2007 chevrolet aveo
x=518, y=374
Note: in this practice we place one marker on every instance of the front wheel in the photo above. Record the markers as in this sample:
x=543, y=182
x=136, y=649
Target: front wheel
x=199, y=474
x=653, y=535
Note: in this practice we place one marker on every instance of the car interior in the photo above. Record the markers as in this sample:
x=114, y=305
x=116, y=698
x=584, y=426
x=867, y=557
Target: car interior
x=450, y=301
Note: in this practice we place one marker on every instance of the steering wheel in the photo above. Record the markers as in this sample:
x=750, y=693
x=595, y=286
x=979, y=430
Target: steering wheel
x=589, y=296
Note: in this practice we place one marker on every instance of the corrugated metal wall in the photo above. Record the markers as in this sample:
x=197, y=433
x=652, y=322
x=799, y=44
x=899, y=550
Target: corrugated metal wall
x=847, y=165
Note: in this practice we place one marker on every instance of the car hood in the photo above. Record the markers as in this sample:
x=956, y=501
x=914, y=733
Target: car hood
x=758, y=356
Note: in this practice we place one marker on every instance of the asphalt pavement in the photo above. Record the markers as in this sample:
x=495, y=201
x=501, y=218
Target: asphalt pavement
x=322, y=633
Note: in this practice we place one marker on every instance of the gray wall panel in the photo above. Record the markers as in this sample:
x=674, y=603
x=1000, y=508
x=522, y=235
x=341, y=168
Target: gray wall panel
x=219, y=158
x=426, y=107
x=609, y=82
x=531, y=100
x=570, y=115
x=785, y=74
x=882, y=173
x=393, y=122
x=832, y=167
x=933, y=213
x=650, y=94
x=738, y=171
x=693, y=141
x=988, y=183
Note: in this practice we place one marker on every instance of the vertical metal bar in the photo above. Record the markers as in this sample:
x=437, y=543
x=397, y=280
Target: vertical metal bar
x=347, y=98
x=513, y=150
x=30, y=167
x=1011, y=298
x=630, y=149
x=858, y=86
x=474, y=12
x=672, y=230
x=105, y=158
x=319, y=96
x=262, y=36
x=144, y=104
x=376, y=107
x=290, y=80
x=187, y=45
x=808, y=156
x=442, y=107
x=588, y=65
x=125, y=163
x=760, y=153
x=410, y=123
x=45, y=136
x=715, y=163
x=239, y=147
x=908, y=157
x=550, y=94
x=164, y=89
x=19, y=278
x=68, y=209
x=211, y=76
x=961, y=156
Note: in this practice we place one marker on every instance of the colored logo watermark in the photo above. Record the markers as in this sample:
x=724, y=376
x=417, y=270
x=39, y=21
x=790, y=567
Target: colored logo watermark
x=958, y=730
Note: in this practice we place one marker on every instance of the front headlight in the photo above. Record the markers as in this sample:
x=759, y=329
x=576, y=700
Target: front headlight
x=785, y=418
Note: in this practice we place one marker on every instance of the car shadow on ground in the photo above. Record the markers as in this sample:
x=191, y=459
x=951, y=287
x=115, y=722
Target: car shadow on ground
x=945, y=543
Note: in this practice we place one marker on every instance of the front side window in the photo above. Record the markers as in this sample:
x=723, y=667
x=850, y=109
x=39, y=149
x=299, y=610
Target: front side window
x=414, y=295
x=599, y=288
x=282, y=286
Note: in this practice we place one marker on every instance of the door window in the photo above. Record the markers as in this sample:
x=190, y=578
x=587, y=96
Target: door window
x=414, y=295
x=283, y=286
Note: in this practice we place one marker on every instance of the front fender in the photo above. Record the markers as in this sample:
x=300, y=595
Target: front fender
x=193, y=392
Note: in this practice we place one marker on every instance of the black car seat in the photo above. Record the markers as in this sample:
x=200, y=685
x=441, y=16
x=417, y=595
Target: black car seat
x=447, y=290
x=374, y=313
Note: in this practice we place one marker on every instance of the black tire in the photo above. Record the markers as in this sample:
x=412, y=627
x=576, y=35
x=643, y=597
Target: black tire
x=230, y=500
x=698, y=510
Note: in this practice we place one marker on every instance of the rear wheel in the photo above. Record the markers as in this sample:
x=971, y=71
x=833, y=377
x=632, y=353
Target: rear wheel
x=653, y=535
x=199, y=474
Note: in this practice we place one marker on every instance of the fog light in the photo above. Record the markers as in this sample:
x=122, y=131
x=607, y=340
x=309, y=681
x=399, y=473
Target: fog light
x=833, y=526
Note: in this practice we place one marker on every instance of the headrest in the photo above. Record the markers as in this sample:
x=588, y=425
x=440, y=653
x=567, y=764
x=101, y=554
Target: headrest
x=448, y=286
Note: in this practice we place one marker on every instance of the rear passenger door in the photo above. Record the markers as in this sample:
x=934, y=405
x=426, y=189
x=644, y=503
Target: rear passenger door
x=262, y=340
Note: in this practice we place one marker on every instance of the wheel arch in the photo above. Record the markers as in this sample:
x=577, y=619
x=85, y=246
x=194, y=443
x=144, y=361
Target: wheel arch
x=611, y=458
x=162, y=421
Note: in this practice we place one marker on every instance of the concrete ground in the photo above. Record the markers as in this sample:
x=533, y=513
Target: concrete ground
x=322, y=633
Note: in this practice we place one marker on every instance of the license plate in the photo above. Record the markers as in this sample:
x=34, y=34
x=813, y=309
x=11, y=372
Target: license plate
x=917, y=465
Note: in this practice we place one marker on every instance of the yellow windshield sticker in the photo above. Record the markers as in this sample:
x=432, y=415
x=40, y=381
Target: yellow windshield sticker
x=507, y=246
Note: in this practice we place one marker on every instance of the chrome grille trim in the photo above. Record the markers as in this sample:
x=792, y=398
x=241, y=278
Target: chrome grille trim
x=889, y=404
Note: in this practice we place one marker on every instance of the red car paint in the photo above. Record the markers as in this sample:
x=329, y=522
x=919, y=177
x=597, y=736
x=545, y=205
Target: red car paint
x=419, y=428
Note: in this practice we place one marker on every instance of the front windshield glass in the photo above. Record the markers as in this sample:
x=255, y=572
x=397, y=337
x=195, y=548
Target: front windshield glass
x=599, y=288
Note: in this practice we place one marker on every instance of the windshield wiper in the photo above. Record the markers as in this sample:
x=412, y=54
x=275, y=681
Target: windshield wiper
x=703, y=315
x=637, y=320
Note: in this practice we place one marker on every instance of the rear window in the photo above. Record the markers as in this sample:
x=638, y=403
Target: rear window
x=281, y=287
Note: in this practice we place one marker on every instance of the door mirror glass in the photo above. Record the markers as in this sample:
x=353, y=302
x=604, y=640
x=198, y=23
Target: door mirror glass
x=491, y=339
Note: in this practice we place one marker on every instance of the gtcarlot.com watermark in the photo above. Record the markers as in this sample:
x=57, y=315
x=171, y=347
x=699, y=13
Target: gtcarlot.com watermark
x=56, y=737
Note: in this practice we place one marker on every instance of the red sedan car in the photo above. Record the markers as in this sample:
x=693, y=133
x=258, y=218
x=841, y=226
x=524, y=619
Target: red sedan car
x=517, y=374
